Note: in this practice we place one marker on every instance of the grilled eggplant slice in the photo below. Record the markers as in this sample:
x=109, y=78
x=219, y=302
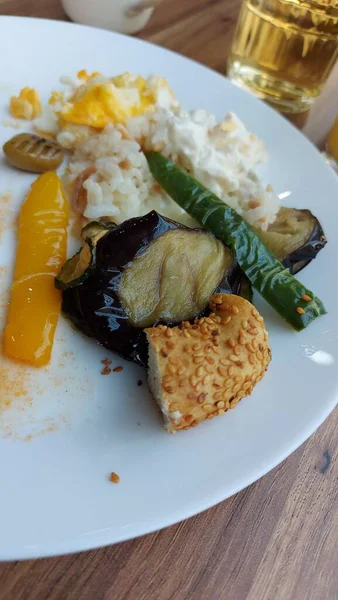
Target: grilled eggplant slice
x=295, y=238
x=148, y=270
x=78, y=268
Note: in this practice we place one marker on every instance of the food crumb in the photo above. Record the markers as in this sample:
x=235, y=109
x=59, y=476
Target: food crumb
x=114, y=478
x=106, y=371
x=140, y=382
x=106, y=362
x=117, y=369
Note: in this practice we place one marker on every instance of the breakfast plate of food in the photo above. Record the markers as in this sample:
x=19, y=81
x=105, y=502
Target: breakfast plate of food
x=167, y=297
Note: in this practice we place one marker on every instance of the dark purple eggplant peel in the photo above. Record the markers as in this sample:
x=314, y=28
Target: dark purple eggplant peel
x=145, y=271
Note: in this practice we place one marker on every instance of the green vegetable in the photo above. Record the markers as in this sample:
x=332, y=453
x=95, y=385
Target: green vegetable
x=290, y=298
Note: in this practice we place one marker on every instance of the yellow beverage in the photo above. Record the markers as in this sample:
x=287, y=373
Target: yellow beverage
x=284, y=50
x=332, y=141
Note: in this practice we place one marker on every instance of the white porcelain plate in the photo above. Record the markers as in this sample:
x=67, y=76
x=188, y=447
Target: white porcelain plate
x=65, y=428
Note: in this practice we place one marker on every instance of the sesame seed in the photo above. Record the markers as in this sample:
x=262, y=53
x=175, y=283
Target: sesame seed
x=306, y=298
x=217, y=300
x=193, y=380
x=210, y=360
x=234, y=310
x=194, y=424
x=181, y=382
x=188, y=418
x=186, y=325
x=166, y=379
x=169, y=389
x=164, y=353
x=241, y=339
x=169, y=333
x=231, y=343
x=106, y=362
x=210, y=417
x=209, y=369
x=199, y=371
x=201, y=398
x=186, y=349
x=191, y=396
x=207, y=408
x=220, y=404
x=199, y=386
x=197, y=346
x=217, y=386
x=220, y=412
x=114, y=478
x=252, y=359
x=197, y=360
x=237, y=350
x=225, y=320
x=218, y=395
x=259, y=355
x=118, y=369
x=215, y=341
x=206, y=379
x=106, y=370
x=180, y=370
x=239, y=364
x=173, y=406
x=231, y=370
x=222, y=371
x=250, y=347
x=238, y=379
x=253, y=331
x=245, y=324
x=259, y=318
x=228, y=383
x=224, y=361
x=300, y=310
x=233, y=357
x=170, y=345
x=255, y=345
x=172, y=369
x=186, y=333
x=218, y=319
x=193, y=333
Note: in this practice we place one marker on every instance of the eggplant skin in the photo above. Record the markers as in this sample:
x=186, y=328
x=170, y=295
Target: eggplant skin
x=295, y=238
x=95, y=305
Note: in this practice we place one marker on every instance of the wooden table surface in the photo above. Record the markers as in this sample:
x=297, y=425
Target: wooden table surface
x=276, y=540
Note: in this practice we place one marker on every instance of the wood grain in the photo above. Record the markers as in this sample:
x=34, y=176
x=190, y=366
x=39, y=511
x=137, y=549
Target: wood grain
x=276, y=540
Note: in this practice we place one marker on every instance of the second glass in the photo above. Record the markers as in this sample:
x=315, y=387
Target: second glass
x=284, y=50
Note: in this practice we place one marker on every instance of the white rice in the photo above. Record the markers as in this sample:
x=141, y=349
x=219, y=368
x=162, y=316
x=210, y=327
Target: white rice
x=223, y=156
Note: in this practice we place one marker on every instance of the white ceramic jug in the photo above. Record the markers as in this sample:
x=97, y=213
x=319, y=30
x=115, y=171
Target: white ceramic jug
x=125, y=16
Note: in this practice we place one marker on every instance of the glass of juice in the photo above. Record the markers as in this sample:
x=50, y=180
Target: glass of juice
x=284, y=50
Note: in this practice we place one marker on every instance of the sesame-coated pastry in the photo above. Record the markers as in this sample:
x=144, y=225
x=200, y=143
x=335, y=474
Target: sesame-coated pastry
x=198, y=371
